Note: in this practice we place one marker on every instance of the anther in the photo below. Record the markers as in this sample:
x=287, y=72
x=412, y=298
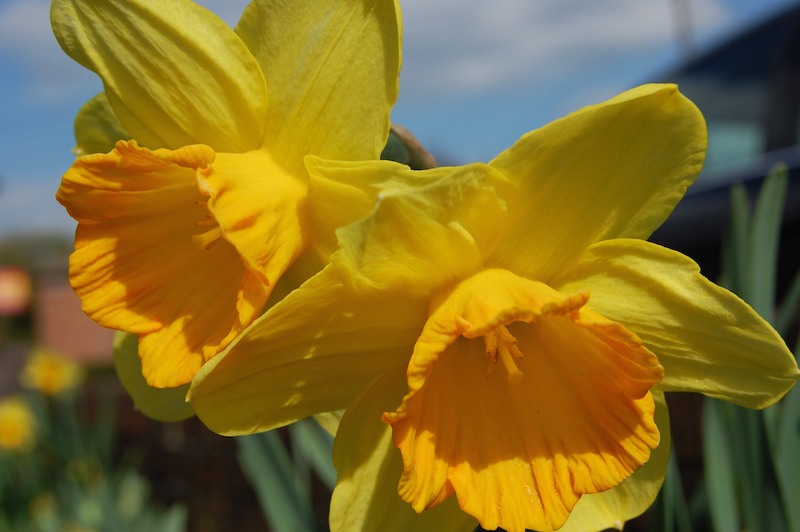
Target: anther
x=500, y=340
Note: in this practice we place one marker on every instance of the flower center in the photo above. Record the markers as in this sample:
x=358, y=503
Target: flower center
x=209, y=237
x=501, y=341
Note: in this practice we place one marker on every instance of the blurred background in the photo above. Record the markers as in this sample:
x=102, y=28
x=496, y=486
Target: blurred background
x=476, y=75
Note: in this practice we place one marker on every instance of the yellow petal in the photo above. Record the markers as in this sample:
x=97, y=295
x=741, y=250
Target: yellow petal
x=611, y=170
x=136, y=267
x=260, y=209
x=424, y=238
x=174, y=73
x=369, y=467
x=707, y=339
x=611, y=508
x=161, y=404
x=333, y=72
x=97, y=128
x=311, y=352
x=341, y=192
x=570, y=412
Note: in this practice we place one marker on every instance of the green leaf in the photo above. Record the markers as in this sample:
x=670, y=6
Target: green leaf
x=719, y=468
x=161, y=404
x=787, y=457
x=280, y=490
x=316, y=446
x=97, y=128
x=670, y=513
x=739, y=249
x=764, y=240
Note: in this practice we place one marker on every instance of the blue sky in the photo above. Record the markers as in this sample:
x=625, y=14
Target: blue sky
x=476, y=76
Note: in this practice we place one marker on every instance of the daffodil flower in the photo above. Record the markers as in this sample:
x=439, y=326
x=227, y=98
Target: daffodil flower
x=542, y=330
x=185, y=229
x=17, y=425
x=51, y=373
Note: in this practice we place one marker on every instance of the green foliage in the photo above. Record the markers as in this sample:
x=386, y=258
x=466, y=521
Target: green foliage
x=283, y=475
x=162, y=404
x=69, y=478
x=751, y=458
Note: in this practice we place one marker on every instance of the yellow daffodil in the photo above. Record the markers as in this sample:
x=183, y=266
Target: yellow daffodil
x=51, y=373
x=17, y=426
x=542, y=330
x=185, y=229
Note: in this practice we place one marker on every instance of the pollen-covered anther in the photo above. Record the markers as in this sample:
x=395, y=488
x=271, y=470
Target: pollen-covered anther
x=501, y=341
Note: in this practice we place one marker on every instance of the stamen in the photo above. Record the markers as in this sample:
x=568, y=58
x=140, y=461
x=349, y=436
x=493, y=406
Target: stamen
x=514, y=374
x=208, y=221
x=208, y=238
x=205, y=240
x=502, y=341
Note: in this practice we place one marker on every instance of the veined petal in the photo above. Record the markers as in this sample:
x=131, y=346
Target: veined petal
x=611, y=170
x=425, y=238
x=707, y=339
x=313, y=351
x=136, y=267
x=341, y=192
x=611, y=508
x=333, y=70
x=570, y=413
x=174, y=73
x=260, y=209
x=369, y=467
x=97, y=128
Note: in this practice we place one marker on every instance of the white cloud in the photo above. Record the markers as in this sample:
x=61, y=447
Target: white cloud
x=450, y=46
x=468, y=46
x=27, y=40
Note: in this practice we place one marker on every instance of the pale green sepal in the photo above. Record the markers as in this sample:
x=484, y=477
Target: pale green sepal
x=610, y=509
x=369, y=467
x=708, y=339
x=333, y=71
x=341, y=192
x=423, y=238
x=174, y=73
x=311, y=352
x=97, y=128
x=161, y=404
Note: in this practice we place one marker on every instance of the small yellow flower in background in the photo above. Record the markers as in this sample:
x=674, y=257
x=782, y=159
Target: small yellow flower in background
x=17, y=425
x=51, y=373
x=185, y=230
x=542, y=330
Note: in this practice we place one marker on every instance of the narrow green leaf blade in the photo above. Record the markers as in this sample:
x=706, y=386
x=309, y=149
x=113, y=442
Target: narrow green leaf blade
x=719, y=467
x=265, y=461
x=764, y=241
